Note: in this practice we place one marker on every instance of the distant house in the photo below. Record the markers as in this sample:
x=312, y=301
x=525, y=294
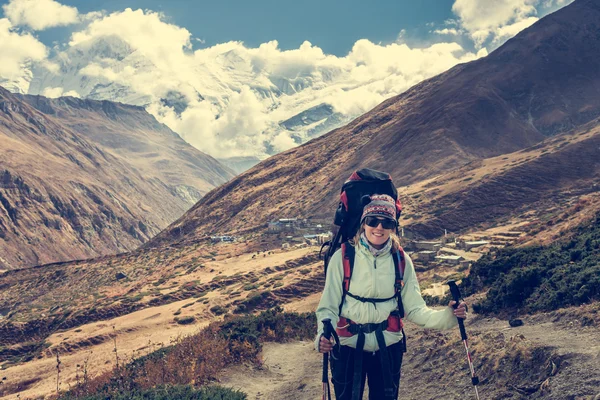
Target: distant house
x=428, y=245
x=452, y=260
x=426, y=255
x=319, y=238
x=216, y=239
x=281, y=225
x=274, y=227
x=288, y=221
x=471, y=245
x=324, y=237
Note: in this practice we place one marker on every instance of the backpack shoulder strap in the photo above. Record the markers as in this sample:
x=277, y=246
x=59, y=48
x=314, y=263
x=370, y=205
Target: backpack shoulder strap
x=348, y=255
x=399, y=262
x=399, y=268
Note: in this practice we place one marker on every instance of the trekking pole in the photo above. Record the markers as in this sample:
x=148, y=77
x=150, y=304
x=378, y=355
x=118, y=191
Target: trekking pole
x=327, y=330
x=463, y=334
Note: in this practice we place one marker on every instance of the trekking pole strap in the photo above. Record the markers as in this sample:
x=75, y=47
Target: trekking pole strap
x=358, y=364
x=388, y=385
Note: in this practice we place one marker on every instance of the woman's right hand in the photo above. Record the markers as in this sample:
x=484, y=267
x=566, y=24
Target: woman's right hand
x=325, y=346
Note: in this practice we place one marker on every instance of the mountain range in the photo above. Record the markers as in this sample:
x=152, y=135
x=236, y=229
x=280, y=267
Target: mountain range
x=256, y=106
x=83, y=178
x=538, y=90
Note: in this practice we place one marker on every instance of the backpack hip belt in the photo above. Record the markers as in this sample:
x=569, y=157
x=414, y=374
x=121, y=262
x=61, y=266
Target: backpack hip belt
x=348, y=328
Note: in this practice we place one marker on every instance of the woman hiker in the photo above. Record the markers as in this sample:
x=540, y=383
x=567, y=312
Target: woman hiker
x=366, y=311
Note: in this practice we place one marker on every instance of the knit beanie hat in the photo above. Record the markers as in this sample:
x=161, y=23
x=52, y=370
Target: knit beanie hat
x=380, y=205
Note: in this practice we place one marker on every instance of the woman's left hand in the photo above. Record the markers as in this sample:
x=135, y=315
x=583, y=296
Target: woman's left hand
x=460, y=311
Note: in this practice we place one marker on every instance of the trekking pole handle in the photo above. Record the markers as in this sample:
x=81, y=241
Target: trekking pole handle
x=327, y=327
x=456, y=297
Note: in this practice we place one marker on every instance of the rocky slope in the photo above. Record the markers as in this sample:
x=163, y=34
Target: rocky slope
x=68, y=195
x=135, y=136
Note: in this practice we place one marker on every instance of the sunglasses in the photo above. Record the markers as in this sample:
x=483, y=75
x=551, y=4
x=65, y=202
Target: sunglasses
x=386, y=223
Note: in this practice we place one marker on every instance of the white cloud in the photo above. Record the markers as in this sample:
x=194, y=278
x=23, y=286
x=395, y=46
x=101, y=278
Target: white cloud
x=160, y=42
x=247, y=92
x=17, y=49
x=505, y=32
x=72, y=93
x=447, y=31
x=494, y=22
x=401, y=36
x=40, y=14
x=54, y=92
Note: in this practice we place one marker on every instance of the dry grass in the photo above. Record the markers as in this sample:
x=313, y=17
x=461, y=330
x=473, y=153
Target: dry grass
x=198, y=359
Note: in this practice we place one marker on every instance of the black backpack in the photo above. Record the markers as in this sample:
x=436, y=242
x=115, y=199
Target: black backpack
x=364, y=182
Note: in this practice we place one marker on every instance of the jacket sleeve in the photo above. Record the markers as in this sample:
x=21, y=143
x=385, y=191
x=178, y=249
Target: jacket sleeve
x=415, y=309
x=332, y=294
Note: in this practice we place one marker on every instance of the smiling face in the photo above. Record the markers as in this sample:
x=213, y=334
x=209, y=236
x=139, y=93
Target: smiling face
x=377, y=236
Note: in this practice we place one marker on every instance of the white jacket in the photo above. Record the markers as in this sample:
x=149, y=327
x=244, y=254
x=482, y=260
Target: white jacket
x=374, y=277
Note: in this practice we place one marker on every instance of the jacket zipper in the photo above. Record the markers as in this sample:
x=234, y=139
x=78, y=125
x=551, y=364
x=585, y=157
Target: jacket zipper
x=374, y=279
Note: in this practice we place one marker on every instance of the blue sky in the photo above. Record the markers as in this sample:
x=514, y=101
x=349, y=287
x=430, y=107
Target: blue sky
x=334, y=26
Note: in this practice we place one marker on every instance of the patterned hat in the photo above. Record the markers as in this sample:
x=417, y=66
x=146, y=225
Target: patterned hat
x=381, y=205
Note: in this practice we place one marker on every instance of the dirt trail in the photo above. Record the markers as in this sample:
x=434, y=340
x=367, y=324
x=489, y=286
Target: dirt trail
x=293, y=371
x=572, y=339
x=290, y=371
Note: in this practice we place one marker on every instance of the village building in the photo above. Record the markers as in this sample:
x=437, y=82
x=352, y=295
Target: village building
x=452, y=260
x=427, y=245
x=426, y=256
x=274, y=227
x=216, y=239
x=470, y=245
x=319, y=238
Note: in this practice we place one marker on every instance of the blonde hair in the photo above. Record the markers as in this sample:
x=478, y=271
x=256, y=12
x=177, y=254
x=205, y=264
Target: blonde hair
x=393, y=237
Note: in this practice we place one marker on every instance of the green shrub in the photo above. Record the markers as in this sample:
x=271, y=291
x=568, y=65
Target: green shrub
x=250, y=286
x=252, y=301
x=541, y=278
x=186, y=320
x=169, y=392
x=218, y=310
x=270, y=325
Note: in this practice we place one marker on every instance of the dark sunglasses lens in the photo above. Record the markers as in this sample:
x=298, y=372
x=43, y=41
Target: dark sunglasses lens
x=373, y=222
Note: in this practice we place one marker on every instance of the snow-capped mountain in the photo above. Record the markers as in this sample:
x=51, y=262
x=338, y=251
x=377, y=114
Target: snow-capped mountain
x=21, y=83
x=231, y=101
x=290, y=108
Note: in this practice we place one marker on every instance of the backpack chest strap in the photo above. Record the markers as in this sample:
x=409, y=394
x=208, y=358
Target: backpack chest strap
x=373, y=301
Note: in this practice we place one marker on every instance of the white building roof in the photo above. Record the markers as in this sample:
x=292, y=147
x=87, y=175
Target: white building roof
x=449, y=257
x=478, y=242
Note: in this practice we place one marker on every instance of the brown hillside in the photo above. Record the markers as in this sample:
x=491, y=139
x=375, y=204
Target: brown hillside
x=546, y=176
x=544, y=82
x=64, y=197
x=135, y=136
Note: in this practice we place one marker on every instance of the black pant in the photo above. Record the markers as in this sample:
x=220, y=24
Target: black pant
x=342, y=370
